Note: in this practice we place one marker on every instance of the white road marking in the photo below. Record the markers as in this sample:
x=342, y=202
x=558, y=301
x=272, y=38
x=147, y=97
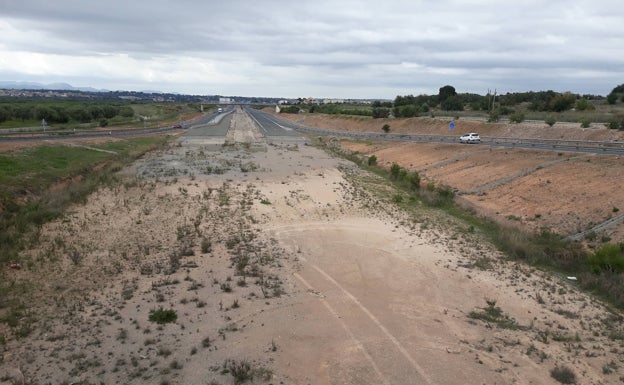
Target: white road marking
x=347, y=330
x=392, y=338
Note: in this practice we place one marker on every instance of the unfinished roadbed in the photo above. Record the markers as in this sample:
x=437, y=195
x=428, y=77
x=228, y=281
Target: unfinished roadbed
x=277, y=263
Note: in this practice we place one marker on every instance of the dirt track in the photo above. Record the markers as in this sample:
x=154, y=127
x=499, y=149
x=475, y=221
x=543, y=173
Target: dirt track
x=279, y=256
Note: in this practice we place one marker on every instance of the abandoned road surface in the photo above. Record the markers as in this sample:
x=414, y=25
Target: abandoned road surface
x=281, y=265
x=378, y=298
x=370, y=300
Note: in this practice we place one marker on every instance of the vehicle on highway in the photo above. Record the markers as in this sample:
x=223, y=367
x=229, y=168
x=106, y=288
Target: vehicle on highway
x=472, y=137
x=177, y=126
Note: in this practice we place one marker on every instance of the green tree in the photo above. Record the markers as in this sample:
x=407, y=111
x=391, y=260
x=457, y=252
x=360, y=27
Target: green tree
x=126, y=112
x=46, y=113
x=582, y=105
x=23, y=113
x=452, y=103
x=80, y=114
x=615, y=94
x=96, y=112
x=386, y=128
x=562, y=102
x=5, y=114
x=618, y=89
x=61, y=115
x=109, y=111
x=381, y=112
x=445, y=93
x=372, y=160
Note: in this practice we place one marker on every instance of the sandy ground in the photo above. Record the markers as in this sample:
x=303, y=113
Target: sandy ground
x=281, y=265
x=564, y=192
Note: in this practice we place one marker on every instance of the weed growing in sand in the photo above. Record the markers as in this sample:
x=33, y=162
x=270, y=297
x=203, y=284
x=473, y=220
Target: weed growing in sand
x=162, y=351
x=563, y=374
x=206, y=246
x=163, y=316
x=244, y=371
x=494, y=314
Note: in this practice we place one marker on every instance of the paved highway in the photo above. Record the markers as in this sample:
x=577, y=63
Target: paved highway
x=210, y=125
x=593, y=147
x=270, y=126
x=274, y=126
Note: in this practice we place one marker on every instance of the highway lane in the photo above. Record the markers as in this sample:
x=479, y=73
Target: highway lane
x=274, y=126
x=591, y=147
x=270, y=126
x=210, y=126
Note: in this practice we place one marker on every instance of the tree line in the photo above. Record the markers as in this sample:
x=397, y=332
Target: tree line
x=63, y=113
x=447, y=99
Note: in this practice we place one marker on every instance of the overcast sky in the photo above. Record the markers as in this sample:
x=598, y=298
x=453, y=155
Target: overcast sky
x=323, y=48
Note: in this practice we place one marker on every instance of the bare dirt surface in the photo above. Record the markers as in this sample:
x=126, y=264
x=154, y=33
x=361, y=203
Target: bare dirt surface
x=564, y=192
x=283, y=267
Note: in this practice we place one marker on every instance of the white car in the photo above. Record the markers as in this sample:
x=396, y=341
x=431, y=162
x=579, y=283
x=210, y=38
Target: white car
x=472, y=137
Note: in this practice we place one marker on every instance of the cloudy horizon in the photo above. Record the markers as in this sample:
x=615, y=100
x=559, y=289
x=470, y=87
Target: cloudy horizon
x=326, y=49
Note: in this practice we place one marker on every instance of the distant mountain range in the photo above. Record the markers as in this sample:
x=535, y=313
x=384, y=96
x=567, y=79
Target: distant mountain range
x=51, y=86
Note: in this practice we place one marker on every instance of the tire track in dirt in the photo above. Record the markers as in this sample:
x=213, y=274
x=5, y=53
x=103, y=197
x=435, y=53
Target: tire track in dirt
x=384, y=331
x=346, y=328
x=378, y=344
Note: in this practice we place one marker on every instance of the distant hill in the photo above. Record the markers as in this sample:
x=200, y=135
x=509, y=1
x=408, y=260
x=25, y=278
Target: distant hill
x=40, y=86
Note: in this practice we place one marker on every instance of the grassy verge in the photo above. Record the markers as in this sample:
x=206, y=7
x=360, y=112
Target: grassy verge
x=543, y=249
x=37, y=184
x=27, y=175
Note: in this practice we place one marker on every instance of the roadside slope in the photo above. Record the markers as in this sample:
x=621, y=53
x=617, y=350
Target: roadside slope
x=565, y=192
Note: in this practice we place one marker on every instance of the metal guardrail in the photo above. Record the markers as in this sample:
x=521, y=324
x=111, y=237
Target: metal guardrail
x=562, y=144
x=613, y=147
x=555, y=142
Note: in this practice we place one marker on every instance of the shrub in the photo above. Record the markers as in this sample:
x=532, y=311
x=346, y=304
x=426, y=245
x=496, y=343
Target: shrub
x=494, y=314
x=585, y=122
x=414, y=180
x=609, y=257
x=494, y=116
x=290, y=110
x=582, y=105
x=563, y=374
x=381, y=112
x=517, y=117
x=162, y=316
x=206, y=245
x=372, y=160
x=386, y=128
x=395, y=169
x=241, y=371
x=550, y=121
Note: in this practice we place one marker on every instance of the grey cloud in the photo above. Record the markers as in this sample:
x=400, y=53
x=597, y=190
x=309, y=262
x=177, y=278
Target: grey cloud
x=361, y=45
